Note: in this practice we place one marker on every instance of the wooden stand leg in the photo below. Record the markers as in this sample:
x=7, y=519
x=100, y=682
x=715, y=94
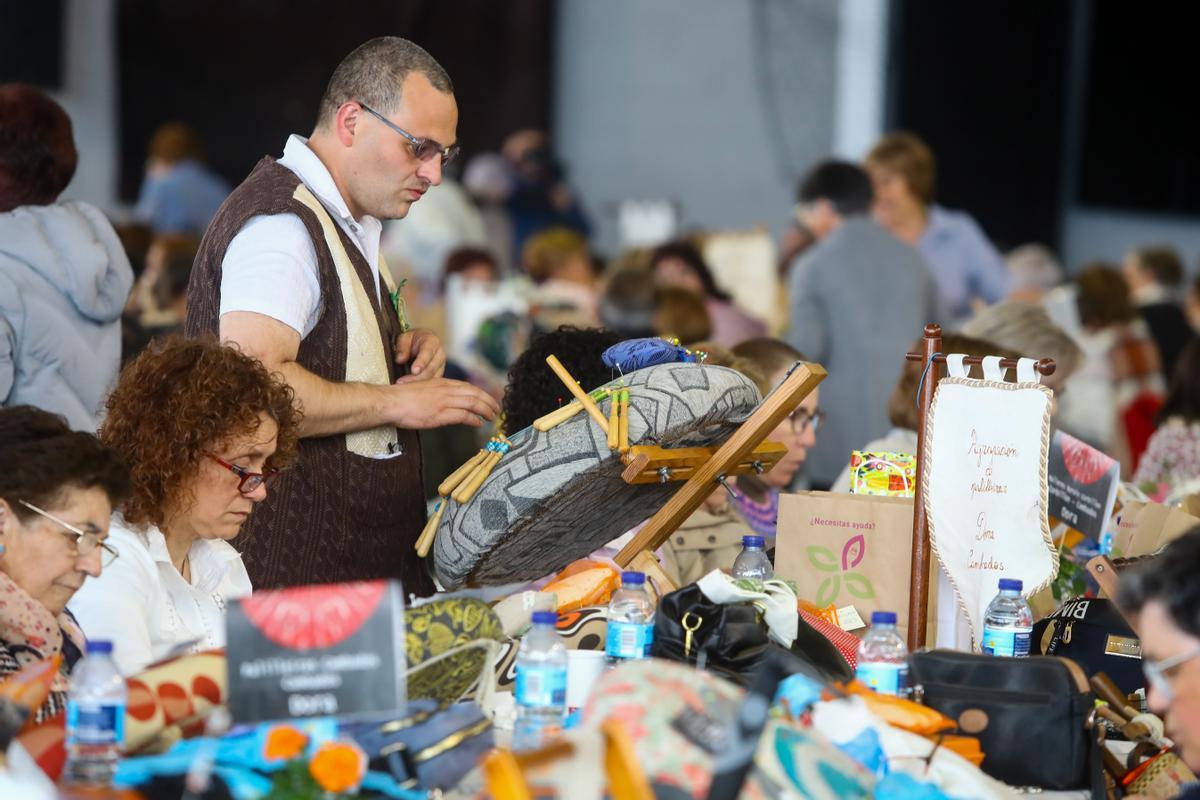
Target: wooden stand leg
x=647, y=563
x=626, y=780
x=918, y=596
x=783, y=401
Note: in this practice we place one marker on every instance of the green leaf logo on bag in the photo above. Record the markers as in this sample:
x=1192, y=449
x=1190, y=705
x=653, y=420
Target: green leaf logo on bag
x=856, y=584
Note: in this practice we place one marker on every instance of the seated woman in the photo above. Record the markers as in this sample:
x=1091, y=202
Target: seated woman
x=57, y=491
x=1171, y=465
x=711, y=537
x=680, y=264
x=203, y=428
x=758, y=496
x=903, y=411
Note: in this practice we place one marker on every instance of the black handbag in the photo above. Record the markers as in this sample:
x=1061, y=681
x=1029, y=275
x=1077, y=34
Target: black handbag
x=1092, y=633
x=731, y=640
x=425, y=747
x=1034, y=717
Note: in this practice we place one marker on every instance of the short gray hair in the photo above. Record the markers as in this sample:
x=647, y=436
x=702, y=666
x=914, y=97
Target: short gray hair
x=1027, y=329
x=374, y=73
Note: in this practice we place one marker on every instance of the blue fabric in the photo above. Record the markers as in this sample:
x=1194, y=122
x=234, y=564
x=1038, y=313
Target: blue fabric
x=902, y=786
x=184, y=200
x=964, y=264
x=867, y=750
x=238, y=759
x=798, y=693
x=634, y=354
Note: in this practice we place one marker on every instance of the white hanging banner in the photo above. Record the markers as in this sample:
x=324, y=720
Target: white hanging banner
x=986, y=445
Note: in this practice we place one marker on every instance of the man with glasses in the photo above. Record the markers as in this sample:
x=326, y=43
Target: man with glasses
x=290, y=271
x=1163, y=599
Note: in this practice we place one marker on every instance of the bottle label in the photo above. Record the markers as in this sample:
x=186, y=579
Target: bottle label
x=883, y=677
x=629, y=639
x=1012, y=642
x=541, y=686
x=95, y=724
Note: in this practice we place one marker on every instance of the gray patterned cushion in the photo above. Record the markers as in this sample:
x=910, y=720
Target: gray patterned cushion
x=558, y=495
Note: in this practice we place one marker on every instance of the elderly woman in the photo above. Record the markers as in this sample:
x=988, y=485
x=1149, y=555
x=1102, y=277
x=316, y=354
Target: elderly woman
x=57, y=491
x=203, y=428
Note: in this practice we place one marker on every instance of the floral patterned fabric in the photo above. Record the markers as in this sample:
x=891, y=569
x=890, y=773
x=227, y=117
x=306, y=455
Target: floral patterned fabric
x=29, y=633
x=1171, y=460
x=648, y=696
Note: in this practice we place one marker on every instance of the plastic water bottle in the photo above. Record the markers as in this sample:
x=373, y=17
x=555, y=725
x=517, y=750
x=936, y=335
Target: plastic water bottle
x=95, y=717
x=1008, y=623
x=883, y=656
x=752, y=562
x=541, y=691
x=630, y=620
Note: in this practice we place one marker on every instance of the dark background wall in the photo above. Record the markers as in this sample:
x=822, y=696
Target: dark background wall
x=1047, y=118
x=985, y=85
x=1140, y=143
x=246, y=74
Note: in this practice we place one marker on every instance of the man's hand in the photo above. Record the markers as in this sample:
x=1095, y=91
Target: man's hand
x=428, y=357
x=437, y=402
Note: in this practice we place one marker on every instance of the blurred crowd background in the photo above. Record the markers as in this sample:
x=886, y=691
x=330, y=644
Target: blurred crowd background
x=835, y=174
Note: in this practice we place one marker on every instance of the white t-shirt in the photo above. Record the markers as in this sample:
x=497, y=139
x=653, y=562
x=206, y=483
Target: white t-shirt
x=271, y=267
x=146, y=609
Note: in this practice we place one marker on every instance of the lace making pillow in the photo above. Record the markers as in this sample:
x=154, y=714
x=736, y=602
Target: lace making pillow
x=557, y=495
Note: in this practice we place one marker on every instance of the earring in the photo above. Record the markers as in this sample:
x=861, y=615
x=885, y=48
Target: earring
x=1, y=549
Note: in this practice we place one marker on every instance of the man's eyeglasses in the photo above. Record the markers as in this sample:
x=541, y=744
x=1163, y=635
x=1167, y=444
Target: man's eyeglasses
x=423, y=149
x=1158, y=672
x=248, y=481
x=85, y=541
x=800, y=420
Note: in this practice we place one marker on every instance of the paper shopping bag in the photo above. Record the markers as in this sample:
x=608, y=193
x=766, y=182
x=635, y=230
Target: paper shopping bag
x=848, y=550
x=1144, y=528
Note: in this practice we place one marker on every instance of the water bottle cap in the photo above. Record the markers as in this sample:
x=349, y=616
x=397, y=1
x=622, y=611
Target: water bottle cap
x=753, y=541
x=545, y=618
x=99, y=646
x=883, y=617
x=633, y=578
x=1011, y=585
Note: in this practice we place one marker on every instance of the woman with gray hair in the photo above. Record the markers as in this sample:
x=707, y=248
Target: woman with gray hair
x=1027, y=329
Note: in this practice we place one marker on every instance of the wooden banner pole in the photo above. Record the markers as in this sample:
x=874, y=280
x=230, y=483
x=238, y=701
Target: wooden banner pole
x=918, y=582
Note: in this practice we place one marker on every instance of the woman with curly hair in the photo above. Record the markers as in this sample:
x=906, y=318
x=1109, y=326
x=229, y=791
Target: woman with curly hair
x=203, y=429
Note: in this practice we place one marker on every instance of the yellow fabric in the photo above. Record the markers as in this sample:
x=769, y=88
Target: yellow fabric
x=366, y=361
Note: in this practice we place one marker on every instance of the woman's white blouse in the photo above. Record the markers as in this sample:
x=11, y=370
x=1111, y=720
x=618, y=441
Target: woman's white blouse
x=144, y=606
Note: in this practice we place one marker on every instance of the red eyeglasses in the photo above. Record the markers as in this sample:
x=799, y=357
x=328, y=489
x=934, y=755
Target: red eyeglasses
x=249, y=481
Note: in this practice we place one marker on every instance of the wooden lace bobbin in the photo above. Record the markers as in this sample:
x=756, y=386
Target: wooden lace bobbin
x=588, y=404
x=425, y=540
x=459, y=490
x=560, y=415
x=468, y=489
x=624, y=418
x=557, y=417
x=455, y=479
x=459, y=475
x=614, y=421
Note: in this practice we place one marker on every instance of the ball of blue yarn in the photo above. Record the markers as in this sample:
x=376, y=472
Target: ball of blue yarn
x=634, y=354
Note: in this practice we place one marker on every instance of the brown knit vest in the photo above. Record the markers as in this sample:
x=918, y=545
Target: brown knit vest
x=336, y=515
